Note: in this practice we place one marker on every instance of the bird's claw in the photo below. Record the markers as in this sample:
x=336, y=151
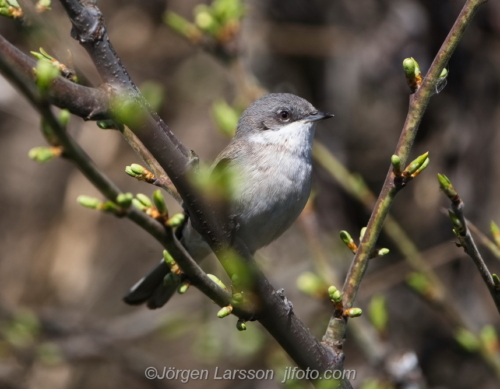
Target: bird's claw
x=288, y=303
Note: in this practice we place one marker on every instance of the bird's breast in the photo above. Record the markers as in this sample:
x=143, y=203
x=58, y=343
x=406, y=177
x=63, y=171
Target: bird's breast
x=274, y=186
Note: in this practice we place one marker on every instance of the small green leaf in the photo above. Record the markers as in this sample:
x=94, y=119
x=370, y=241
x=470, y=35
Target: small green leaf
x=416, y=163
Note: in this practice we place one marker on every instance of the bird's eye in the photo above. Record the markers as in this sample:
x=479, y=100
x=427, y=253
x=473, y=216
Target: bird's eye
x=285, y=116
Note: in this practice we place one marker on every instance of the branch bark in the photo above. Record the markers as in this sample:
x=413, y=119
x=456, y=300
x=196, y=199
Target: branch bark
x=88, y=103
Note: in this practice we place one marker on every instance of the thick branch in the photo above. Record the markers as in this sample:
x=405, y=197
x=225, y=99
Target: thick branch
x=418, y=105
x=88, y=103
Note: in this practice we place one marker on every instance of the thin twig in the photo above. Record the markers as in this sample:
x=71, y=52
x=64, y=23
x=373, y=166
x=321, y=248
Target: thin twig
x=418, y=105
x=466, y=240
x=490, y=245
x=161, y=178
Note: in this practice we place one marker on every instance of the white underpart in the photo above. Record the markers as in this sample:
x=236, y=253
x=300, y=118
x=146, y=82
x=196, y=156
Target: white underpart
x=272, y=186
x=275, y=182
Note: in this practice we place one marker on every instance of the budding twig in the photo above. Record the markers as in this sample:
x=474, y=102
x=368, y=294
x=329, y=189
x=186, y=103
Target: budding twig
x=418, y=104
x=464, y=236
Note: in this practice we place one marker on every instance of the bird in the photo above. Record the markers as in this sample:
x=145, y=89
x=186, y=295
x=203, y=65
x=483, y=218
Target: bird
x=270, y=161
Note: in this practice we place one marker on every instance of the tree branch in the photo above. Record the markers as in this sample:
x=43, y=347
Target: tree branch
x=418, y=104
x=88, y=103
x=464, y=236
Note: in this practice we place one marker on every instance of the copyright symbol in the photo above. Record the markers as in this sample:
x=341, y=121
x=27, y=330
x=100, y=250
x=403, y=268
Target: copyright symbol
x=151, y=373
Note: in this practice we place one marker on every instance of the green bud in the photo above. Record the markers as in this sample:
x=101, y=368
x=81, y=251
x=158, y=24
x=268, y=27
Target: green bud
x=447, y=187
x=46, y=72
x=183, y=288
x=217, y=281
x=353, y=312
x=130, y=172
x=241, y=326
x=310, y=284
x=110, y=207
x=444, y=73
x=331, y=289
x=496, y=280
x=396, y=163
x=467, y=339
x=205, y=21
x=225, y=117
x=335, y=294
x=181, y=26
x=495, y=231
x=144, y=200
x=409, y=67
x=416, y=163
x=419, y=282
x=346, y=238
x=362, y=233
x=89, y=202
x=44, y=154
x=489, y=334
x=171, y=279
x=455, y=220
x=137, y=169
x=45, y=54
x=176, y=220
x=64, y=117
x=169, y=260
x=223, y=312
x=124, y=200
x=382, y=252
x=136, y=203
x=109, y=125
x=34, y=53
x=10, y=9
x=159, y=201
x=422, y=167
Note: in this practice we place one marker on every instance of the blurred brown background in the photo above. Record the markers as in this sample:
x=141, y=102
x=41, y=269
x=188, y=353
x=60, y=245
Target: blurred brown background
x=64, y=268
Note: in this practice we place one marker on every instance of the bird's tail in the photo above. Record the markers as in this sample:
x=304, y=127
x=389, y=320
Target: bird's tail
x=152, y=288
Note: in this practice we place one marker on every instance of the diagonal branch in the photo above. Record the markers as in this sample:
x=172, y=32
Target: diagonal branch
x=418, y=104
x=88, y=103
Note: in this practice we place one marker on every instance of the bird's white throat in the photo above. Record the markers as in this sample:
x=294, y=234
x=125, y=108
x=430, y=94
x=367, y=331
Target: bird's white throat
x=295, y=137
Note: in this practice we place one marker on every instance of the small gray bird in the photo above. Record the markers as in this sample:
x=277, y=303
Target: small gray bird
x=270, y=158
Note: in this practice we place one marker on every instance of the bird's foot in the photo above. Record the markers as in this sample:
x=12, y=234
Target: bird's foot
x=288, y=303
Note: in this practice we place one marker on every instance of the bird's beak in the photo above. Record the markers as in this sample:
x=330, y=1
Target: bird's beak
x=318, y=115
